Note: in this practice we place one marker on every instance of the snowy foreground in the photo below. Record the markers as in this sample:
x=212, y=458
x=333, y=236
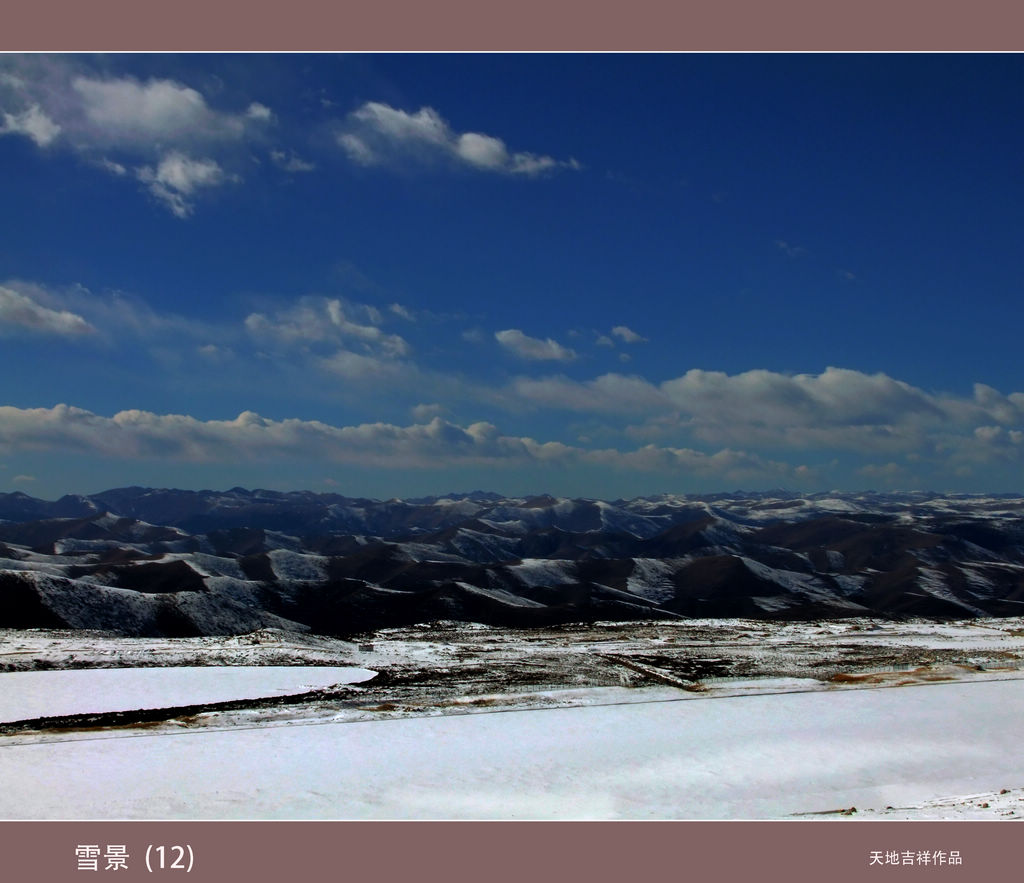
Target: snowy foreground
x=713, y=719
x=747, y=757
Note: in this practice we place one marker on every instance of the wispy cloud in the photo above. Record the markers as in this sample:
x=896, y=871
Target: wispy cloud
x=379, y=134
x=790, y=250
x=533, y=348
x=290, y=162
x=19, y=312
x=109, y=316
x=628, y=335
x=611, y=394
x=403, y=312
x=428, y=411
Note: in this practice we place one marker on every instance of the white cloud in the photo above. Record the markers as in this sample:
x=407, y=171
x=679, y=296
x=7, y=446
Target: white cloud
x=261, y=112
x=215, y=354
x=164, y=131
x=23, y=479
x=320, y=320
x=21, y=312
x=290, y=162
x=533, y=348
x=403, y=312
x=142, y=434
x=608, y=394
x=424, y=411
x=378, y=134
x=482, y=151
x=177, y=178
x=112, y=315
x=358, y=151
x=115, y=168
x=724, y=464
x=358, y=366
x=627, y=334
x=837, y=409
x=32, y=123
x=126, y=112
x=604, y=340
x=835, y=397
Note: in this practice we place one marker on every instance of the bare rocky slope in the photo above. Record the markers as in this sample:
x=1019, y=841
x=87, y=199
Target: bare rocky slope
x=146, y=562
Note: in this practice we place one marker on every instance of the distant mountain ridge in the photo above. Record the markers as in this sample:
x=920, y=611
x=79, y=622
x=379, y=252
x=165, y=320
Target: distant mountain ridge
x=146, y=561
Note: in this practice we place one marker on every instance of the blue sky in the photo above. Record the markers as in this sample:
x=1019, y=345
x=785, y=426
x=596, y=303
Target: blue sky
x=592, y=275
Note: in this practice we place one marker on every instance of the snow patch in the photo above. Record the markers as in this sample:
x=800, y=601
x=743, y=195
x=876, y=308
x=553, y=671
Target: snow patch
x=544, y=572
x=498, y=595
x=651, y=579
x=290, y=565
x=933, y=581
x=31, y=694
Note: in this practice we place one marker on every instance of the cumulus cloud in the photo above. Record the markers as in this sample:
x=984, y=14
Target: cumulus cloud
x=329, y=320
x=627, y=334
x=340, y=338
x=32, y=123
x=125, y=111
x=378, y=134
x=533, y=348
x=178, y=177
x=136, y=434
x=19, y=312
x=260, y=112
x=835, y=397
x=837, y=409
x=164, y=132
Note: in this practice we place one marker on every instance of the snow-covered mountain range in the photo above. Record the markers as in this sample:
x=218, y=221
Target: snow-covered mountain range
x=142, y=561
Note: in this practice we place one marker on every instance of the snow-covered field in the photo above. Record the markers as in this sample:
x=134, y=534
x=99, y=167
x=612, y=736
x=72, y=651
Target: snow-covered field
x=748, y=757
x=32, y=694
x=696, y=719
